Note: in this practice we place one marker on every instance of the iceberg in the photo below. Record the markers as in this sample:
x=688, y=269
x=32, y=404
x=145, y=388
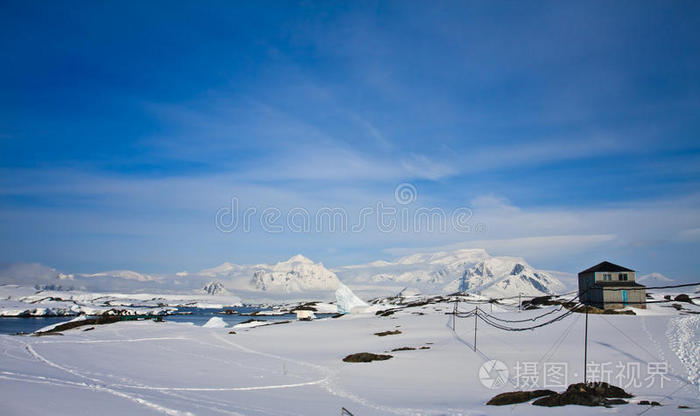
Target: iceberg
x=347, y=300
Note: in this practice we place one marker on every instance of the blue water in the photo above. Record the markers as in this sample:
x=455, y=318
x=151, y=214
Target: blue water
x=195, y=315
x=199, y=316
x=28, y=325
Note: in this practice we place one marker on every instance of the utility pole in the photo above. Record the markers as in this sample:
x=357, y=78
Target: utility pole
x=454, y=314
x=519, y=301
x=585, y=350
x=476, y=320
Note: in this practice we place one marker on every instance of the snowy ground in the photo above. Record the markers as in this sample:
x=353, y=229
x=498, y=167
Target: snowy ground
x=25, y=301
x=297, y=369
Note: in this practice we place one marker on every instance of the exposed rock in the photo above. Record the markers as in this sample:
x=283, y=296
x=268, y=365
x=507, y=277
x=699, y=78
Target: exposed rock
x=365, y=357
x=683, y=298
x=590, y=394
x=517, y=397
x=599, y=311
x=385, y=333
x=215, y=287
x=101, y=320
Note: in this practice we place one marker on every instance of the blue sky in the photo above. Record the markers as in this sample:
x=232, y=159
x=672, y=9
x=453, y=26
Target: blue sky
x=570, y=129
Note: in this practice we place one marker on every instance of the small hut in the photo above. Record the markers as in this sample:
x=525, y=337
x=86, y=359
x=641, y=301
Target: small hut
x=609, y=286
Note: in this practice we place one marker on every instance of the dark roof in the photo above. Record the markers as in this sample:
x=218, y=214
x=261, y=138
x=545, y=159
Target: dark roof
x=606, y=266
x=621, y=283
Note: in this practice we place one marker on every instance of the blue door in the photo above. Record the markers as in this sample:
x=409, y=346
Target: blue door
x=624, y=297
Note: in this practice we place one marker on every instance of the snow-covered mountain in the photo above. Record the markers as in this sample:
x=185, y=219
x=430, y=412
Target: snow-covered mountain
x=470, y=270
x=294, y=275
x=655, y=279
x=215, y=288
x=505, y=276
x=298, y=274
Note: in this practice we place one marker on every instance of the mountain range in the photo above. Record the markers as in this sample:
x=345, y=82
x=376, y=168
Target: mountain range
x=464, y=270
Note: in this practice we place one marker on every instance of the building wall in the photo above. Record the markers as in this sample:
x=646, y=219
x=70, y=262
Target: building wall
x=615, y=276
x=610, y=298
x=595, y=298
x=585, y=281
x=636, y=297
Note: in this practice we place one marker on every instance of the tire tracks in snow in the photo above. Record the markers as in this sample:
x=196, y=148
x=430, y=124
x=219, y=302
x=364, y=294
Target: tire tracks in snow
x=329, y=383
x=100, y=385
x=97, y=386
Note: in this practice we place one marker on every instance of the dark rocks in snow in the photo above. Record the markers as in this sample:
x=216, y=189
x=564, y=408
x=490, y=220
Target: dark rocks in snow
x=583, y=394
x=586, y=394
x=366, y=357
x=599, y=311
x=403, y=349
x=215, y=287
x=385, y=333
x=539, y=301
x=517, y=269
x=304, y=308
x=683, y=298
x=251, y=320
x=514, y=397
x=101, y=320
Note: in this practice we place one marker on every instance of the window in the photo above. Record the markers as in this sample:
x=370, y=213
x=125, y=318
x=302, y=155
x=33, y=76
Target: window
x=607, y=277
x=622, y=276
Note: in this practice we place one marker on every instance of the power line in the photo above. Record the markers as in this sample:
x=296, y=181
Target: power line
x=646, y=287
x=517, y=329
x=499, y=323
x=559, y=341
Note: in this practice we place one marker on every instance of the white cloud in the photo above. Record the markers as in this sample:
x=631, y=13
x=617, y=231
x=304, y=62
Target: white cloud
x=688, y=235
x=21, y=273
x=523, y=246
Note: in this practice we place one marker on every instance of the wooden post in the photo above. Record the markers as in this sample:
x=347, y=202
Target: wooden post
x=585, y=350
x=454, y=314
x=476, y=319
